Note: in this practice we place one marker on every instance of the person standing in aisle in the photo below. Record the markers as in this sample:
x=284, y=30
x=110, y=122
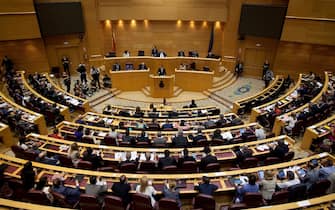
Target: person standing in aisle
x=95, y=73
x=66, y=64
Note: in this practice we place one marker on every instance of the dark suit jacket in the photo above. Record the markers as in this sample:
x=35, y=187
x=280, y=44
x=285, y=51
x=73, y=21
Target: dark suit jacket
x=122, y=191
x=179, y=141
x=279, y=151
x=185, y=158
x=161, y=72
x=166, y=161
x=207, y=189
x=207, y=160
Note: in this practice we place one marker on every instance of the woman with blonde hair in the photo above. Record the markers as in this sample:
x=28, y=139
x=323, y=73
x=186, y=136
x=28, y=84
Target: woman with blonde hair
x=268, y=185
x=146, y=188
x=74, y=154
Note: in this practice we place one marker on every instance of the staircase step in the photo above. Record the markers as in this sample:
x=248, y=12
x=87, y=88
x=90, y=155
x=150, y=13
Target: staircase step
x=146, y=91
x=226, y=84
x=177, y=91
x=224, y=81
x=219, y=99
x=219, y=79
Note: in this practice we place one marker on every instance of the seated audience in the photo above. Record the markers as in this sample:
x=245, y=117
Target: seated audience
x=79, y=133
x=180, y=140
x=182, y=125
x=143, y=137
x=154, y=51
x=171, y=191
x=138, y=112
x=161, y=71
x=93, y=157
x=47, y=158
x=127, y=137
x=162, y=54
x=268, y=185
x=260, y=133
x=251, y=186
x=209, y=158
x=331, y=178
x=290, y=123
x=291, y=179
x=166, y=160
x=217, y=134
x=146, y=188
x=142, y=66
x=167, y=125
x=312, y=174
x=159, y=140
x=242, y=153
x=96, y=188
x=71, y=195
x=28, y=176
x=141, y=125
x=42, y=185
x=327, y=169
x=121, y=189
x=126, y=53
x=55, y=134
x=129, y=160
x=193, y=104
x=206, y=187
x=74, y=154
x=185, y=157
x=279, y=150
x=199, y=136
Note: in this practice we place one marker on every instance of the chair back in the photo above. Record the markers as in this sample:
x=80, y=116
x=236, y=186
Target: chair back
x=271, y=160
x=212, y=167
x=87, y=140
x=170, y=169
x=18, y=189
x=88, y=202
x=106, y=169
x=297, y=192
x=205, y=202
x=86, y=165
x=128, y=167
x=319, y=188
x=288, y=156
x=18, y=151
x=147, y=166
x=253, y=199
x=60, y=200
x=142, y=144
x=202, y=142
x=250, y=162
x=279, y=197
x=113, y=203
x=189, y=167
x=30, y=155
x=109, y=141
x=168, y=204
x=141, y=202
x=218, y=142
x=37, y=197
x=65, y=161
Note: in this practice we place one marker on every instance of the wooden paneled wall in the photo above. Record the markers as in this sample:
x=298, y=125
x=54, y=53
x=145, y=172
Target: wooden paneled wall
x=293, y=58
x=170, y=36
x=26, y=55
x=209, y=10
x=310, y=21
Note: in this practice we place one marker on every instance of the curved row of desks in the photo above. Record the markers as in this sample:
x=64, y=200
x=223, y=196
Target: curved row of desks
x=15, y=165
x=169, y=63
x=225, y=153
x=318, y=130
x=283, y=101
x=63, y=109
x=92, y=118
x=263, y=95
x=68, y=129
x=84, y=103
x=5, y=135
x=163, y=111
x=28, y=116
x=280, y=120
x=320, y=203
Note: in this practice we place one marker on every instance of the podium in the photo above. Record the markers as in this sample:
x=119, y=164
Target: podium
x=161, y=86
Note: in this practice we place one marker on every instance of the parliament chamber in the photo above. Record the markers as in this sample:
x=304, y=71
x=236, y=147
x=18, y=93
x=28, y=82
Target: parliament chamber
x=178, y=105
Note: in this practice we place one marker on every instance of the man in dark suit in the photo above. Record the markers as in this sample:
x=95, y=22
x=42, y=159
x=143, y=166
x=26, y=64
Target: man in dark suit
x=166, y=160
x=161, y=71
x=198, y=137
x=186, y=157
x=142, y=66
x=280, y=150
x=121, y=189
x=206, y=187
x=167, y=125
x=95, y=189
x=208, y=158
x=180, y=140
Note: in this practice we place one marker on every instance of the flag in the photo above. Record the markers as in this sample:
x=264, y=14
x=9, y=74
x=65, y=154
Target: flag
x=211, y=39
x=114, y=42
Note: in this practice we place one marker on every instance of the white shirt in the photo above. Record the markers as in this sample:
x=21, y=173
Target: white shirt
x=288, y=183
x=149, y=190
x=291, y=122
x=260, y=134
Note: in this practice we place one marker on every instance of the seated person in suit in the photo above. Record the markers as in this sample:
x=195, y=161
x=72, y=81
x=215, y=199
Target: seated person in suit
x=121, y=189
x=47, y=158
x=193, y=104
x=209, y=123
x=138, y=112
x=126, y=53
x=180, y=140
x=167, y=125
x=192, y=66
x=154, y=124
x=161, y=54
x=159, y=139
x=185, y=157
x=242, y=153
x=221, y=122
x=199, y=136
x=183, y=126
x=327, y=169
x=217, y=134
x=260, y=133
x=96, y=188
x=143, y=137
x=207, y=159
x=128, y=159
x=71, y=195
x=252, y=186
x=93, y=157
x=166, y=160
x=181, y=53
x=173, y=114
x=116, y=67
x=182, y=66
x=142, y=66
x=206, y=187
x=161, y=71
x=171, y=191
x=154, y=51
x=279, y=150
x=312, y=174
x=127, y=137
x=141, y=125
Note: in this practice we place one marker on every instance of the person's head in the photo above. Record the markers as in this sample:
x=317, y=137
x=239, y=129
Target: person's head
x=142, y=133
x=41, y=183
x=182, y=122
x=123, y=179
x=207, y=150
x=268, y=175
x=74, y=146
x=56, y=183
x=199, y=130
x=127, y=132
x=159, y=134
x=281, y=142
x=328, y=163
x=185, y=152
x=147, y=156
x=252, y=179
x=180, y=132
x=290, y=175
x=138, y=109
x=108, y=107
x=89, y=150
x=80, y=128
x=172, y=184
x=28, y=166
x=166, y=153
x=128, y=156
x=206, y=179
x=192, y=101
x=55, y=131
x=143, y=183
x=93, y=179
x=217, y=132
x=87, y=131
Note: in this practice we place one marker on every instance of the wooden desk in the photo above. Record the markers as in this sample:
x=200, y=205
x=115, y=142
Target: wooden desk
x=63, y=109
x=318, y=130
x=15, y=165
x=263, y=95
x=169, y=63
x=161, y=86
x=10, y=204
x=30, y=116
x=84, y=103
x=6, y=135
x=130, y=80
x=280, y=120
x=283, y=100
x=99, y=133
x=194, y=80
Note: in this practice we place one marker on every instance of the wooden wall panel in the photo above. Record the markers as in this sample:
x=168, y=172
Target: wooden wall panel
x=166, y=35
x=27, y=55
x=312, y=8
x=210, y=10
x=294, y=58
x=17, y=6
